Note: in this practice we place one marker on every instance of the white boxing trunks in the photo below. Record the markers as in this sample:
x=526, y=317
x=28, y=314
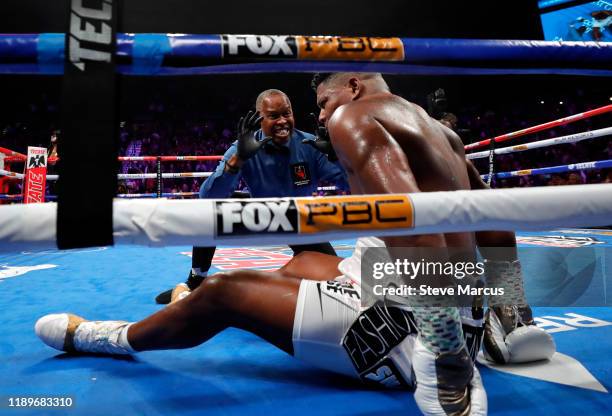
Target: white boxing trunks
x=334, y=331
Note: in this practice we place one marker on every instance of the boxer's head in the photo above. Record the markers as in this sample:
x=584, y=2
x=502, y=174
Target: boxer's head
x=336, y=89
x=275, y=108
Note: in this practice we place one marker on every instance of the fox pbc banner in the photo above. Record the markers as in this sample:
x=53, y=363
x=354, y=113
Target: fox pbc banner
x=346, y=48
x=312, y=215
x=35, y=175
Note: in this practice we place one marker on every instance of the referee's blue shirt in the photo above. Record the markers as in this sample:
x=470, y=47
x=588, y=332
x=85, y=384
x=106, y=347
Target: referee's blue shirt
x=293, y=169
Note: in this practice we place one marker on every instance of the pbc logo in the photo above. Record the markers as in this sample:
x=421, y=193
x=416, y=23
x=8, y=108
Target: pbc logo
x=37, y=161
x=354, y=213
x=248, y=46
x=350, y=48
x=241, y=218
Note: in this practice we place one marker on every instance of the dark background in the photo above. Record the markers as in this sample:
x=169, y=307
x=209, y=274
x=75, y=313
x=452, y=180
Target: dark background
x=439, y=19
x=503, y=19
x=515, y=101
x=442, y=19
x=462, y=19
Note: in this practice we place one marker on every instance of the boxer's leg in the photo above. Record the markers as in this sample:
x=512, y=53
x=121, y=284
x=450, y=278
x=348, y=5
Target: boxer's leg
x=312, y=266
x=325, y=248
x=259, y=302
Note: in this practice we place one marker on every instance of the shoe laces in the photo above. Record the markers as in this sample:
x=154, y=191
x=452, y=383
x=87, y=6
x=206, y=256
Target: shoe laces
x=518, y=320
x=103, y=336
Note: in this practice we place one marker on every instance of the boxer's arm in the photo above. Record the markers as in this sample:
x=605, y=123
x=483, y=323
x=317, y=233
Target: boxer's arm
x=378, y=165
x=476, y=181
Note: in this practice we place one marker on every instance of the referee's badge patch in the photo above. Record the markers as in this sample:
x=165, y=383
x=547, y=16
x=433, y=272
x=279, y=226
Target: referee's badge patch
x=301, y=174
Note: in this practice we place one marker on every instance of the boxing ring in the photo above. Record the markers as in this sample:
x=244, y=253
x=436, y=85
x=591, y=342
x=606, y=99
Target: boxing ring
x=237, y=373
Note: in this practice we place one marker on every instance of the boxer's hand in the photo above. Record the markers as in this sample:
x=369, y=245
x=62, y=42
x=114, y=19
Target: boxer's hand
x=321, y=142
x=248, y=144
x=511, y=336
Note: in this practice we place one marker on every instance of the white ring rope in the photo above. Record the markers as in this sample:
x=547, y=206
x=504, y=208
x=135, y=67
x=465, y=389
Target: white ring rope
x=10, y=174
x=168, y=175
x=163, y=195
x=572, y=138
x=203, y=222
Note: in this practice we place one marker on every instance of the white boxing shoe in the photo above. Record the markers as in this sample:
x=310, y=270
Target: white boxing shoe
x=71, y=333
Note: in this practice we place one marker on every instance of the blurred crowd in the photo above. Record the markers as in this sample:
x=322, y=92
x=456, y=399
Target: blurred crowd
x=490, y=124
x=163, y=127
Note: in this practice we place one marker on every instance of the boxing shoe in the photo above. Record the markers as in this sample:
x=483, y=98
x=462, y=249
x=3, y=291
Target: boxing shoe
x=448, y=383
x=193, y=281
x=511, y=336
x=179, y=292
x=71, y=333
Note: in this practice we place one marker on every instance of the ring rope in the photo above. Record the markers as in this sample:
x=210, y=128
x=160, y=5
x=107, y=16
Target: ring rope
x=120, y=176
x=163, y=195
x=206, y=222
x=18, y=157
x=181, y=54
x=572, y=138
x=12, y=175
x=167, y=158
x=599, y=164
x=12, y=153
x=541, y=127
x=167, y=175
x=18, y=197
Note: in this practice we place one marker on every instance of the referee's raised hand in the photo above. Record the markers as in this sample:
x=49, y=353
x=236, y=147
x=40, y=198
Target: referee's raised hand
x=248, y=144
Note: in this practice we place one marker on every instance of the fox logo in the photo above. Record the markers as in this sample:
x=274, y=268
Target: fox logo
x=240, y=218
x=258, y=46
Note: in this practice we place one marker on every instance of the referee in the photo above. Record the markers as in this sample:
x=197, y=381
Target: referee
x=275, y=160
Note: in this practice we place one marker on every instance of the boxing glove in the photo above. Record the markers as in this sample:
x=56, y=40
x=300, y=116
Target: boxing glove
x=448, y=383
x=511, y=336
